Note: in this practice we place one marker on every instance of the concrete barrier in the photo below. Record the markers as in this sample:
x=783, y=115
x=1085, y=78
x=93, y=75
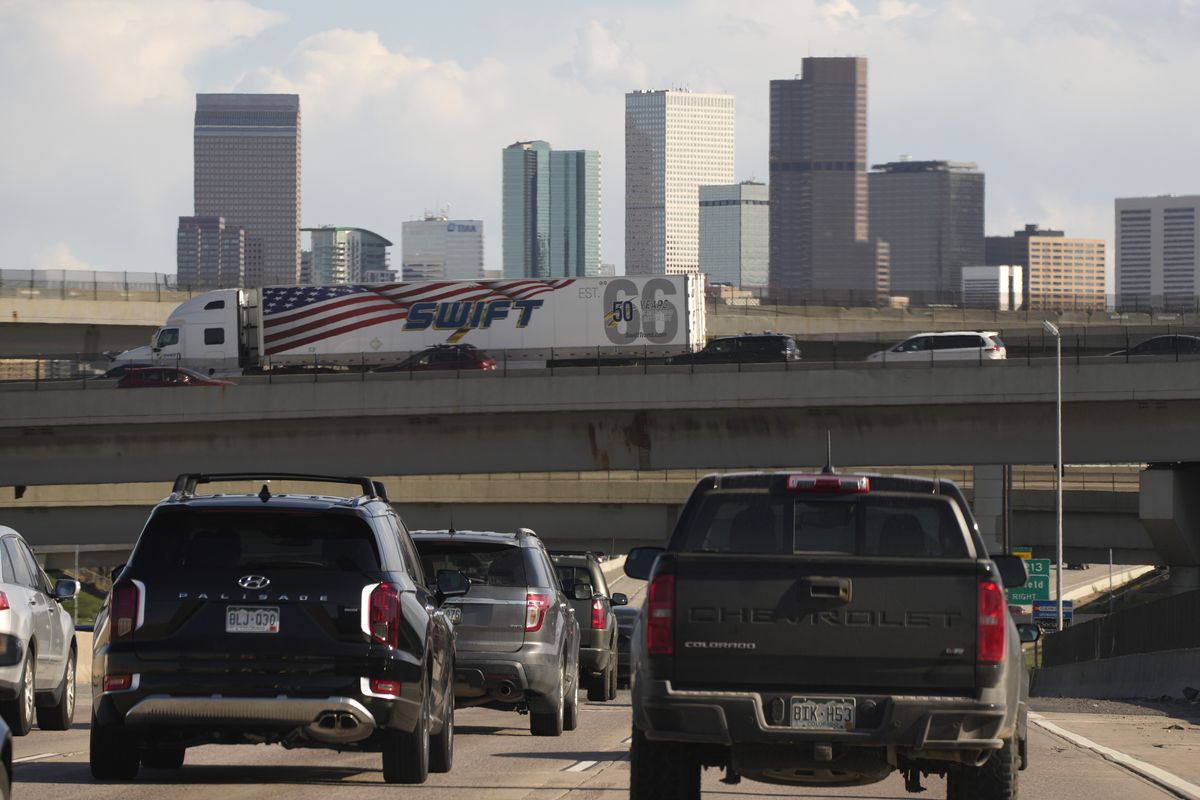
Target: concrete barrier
x=613, y=568
x=1145, y=675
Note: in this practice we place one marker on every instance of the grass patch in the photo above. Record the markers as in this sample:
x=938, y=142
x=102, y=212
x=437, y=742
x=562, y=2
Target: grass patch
x=89, y=606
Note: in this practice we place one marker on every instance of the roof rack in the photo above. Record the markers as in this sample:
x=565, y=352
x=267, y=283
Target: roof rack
x=185, y=484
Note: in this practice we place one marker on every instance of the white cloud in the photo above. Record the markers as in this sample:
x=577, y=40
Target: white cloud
x=839, y=9
x=58, y=256
x=602, y=61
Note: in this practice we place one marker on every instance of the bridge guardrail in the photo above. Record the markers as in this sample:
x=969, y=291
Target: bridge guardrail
x=1165, y=624
x=1086, y=345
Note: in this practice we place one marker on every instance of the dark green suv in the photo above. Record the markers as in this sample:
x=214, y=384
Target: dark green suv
x=584, y=583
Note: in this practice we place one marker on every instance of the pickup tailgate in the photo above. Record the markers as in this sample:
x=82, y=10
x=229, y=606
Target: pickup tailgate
x=830, y=623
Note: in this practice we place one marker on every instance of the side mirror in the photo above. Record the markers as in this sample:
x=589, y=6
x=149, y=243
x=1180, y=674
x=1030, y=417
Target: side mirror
x=640, y=562
x=619, y=599
x=1028, y=633
x=65, y=589
x=451, y=583
x=583, y=591
x=1012, y=571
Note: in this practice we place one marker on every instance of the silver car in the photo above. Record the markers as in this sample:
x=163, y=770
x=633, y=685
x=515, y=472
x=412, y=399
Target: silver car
x=37, y=641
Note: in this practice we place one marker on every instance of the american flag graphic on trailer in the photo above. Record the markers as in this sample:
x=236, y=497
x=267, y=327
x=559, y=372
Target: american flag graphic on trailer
x=296, y=316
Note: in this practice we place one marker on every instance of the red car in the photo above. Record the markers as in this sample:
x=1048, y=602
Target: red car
x=444, y=357
x=155, y=377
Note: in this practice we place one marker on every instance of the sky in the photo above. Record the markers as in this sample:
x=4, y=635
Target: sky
x=1064, y=104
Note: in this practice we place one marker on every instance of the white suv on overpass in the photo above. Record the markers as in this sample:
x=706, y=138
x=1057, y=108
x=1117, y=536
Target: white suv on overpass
x=946, y=346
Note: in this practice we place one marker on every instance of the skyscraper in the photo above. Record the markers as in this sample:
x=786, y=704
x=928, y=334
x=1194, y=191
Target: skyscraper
x=525, y=200
x=346, y=255
x=247, y=170
x=437, y=248
x=819, y=212
x=931, y=215
x=1157, y=264
x=734, y=228
x=675, y=142
x=1062, y=273
x=209, y=254
x=551, y=211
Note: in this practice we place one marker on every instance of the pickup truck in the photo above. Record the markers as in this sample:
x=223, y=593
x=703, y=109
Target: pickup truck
x=827, y=630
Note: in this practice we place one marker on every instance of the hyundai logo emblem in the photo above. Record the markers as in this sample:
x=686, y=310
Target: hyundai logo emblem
x=254, y=582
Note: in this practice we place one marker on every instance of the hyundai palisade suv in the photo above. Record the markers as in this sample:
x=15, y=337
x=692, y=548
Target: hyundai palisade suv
x=298, y=619
x=585, y=585
x=518, y=640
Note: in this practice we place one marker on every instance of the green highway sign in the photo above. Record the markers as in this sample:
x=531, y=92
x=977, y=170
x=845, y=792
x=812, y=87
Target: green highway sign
x=1038, y=566
x=1036, y=588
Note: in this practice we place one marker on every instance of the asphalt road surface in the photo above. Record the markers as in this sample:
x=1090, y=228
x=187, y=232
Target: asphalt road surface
x=495, y=759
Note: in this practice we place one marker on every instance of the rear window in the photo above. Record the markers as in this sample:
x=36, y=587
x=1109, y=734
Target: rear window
x=569, y=576
x=872, y=525
x=482, y=563
x=215, y=539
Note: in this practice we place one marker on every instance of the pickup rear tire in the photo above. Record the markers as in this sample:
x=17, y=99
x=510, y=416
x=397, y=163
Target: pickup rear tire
x=995, y=780
x=662, y=770
x=113, y=756
x=441, y=746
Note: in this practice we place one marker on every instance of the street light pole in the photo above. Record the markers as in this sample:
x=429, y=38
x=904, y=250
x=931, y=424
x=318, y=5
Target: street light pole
x=1053, y=330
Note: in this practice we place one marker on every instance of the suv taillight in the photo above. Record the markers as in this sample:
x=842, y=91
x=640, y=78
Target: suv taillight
x=123, y=615
x=597, y=614
x=992, y=609
x=660, y=616
x=536, y=606
x=384, y=615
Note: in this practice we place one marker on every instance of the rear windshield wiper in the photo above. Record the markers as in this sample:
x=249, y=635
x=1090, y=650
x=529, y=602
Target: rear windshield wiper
x=283, y=563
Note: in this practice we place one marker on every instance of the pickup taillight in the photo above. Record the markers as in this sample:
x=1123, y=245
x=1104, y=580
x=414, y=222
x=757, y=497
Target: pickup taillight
x=597, y=614
x=124, y=615
x=992, y=611
x=384, y=615
x=660, y=616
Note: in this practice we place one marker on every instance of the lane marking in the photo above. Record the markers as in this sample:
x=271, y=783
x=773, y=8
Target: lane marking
x=1150, y=772
x=628, y=741
x=37, y=757
x=580, y=766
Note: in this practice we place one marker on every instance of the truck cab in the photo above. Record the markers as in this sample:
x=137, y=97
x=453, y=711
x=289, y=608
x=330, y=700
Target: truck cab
x=202, y=333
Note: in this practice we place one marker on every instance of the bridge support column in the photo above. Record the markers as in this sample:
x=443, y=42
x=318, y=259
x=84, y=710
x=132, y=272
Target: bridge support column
x=1169, y=510
x=989, y=505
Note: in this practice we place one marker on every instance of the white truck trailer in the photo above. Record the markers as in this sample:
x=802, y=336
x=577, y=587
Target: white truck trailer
x=518, y=322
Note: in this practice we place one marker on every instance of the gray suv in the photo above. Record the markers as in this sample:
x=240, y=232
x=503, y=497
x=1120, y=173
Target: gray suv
x=518, y=641
x=584, y=582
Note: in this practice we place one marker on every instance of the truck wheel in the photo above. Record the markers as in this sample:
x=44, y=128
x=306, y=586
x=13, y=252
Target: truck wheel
x=113, y=756
x=59, y=716
x=662, y=770
x=598, y=688
x=164, y=758
x=612, y=680
x=995, y=780
x=406, y=755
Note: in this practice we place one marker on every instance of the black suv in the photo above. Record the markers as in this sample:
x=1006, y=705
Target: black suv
x=747, y=349
x=295, y=619
x=584, y=582
x=518, y=641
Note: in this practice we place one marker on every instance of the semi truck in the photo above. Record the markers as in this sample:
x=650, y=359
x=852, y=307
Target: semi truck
x=521, y=323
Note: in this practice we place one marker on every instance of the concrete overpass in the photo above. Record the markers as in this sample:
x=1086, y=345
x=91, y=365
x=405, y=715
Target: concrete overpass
x=612, y=511
x=663, y=418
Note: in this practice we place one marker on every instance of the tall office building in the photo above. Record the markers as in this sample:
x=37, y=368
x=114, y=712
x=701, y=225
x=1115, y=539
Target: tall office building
x=734, y=230
x=247, y=170
x=820, y=243
x=438, y=248
x=1156, y=264
x=675, y=142
x=551, y=210
x=931, y=215
x=345, y=255
x=209, y=254
x=1062, y=273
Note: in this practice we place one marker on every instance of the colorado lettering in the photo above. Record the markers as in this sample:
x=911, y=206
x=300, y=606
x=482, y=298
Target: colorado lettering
x=459, y=314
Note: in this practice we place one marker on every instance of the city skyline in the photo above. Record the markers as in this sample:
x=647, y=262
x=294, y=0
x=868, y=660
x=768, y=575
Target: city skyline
x=476, y=89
